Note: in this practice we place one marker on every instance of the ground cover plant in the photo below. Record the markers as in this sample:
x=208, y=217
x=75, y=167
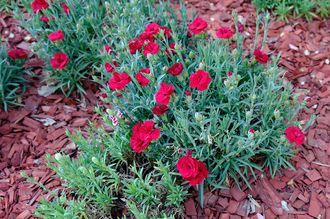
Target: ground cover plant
x=11, y=76
x=307, y=9
x=187, y=110
x=74, y=37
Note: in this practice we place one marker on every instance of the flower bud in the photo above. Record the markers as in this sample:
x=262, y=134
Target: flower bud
x=248, y=114
x=199, y=117
x=95, y=160
x=277, y=114
x=83, y=169
x=209, y=139
x=177, y=47
x=58, y=156
x=253, y=97
x=201, y=65
x=191, y=54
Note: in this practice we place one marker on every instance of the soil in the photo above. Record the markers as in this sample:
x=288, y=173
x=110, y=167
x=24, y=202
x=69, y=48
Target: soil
x=25, y=137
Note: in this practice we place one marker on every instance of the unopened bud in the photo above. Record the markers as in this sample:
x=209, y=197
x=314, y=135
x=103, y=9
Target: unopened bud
x=58, y=156
x=199, y=117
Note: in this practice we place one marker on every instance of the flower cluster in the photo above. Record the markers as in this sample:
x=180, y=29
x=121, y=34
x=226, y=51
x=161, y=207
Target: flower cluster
x=150, y=43
x=60, y=60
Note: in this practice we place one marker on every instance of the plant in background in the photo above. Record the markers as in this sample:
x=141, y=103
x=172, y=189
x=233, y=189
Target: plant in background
x=307, y=9
x=11, y=76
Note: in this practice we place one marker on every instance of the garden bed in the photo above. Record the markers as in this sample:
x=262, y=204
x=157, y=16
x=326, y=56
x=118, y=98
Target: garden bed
x=304, y=49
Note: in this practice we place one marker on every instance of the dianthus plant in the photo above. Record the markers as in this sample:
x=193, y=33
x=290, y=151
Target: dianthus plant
x=215, y=110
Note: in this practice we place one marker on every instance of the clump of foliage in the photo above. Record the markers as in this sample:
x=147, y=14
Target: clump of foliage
x=187, y=110
x=307, y=9
x=11, y=76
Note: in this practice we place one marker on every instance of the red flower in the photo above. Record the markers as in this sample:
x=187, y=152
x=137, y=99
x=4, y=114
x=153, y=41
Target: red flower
x=44, y=18
x=230, y=74
x=104, y=95
x=145, y=71
x=134, y=45
x=159, y=110
x=294, y=135
x=187, y=93
x=17, y=54
x=57, y=35
x=143, y=133
x=119, y=81
x=175, y=69
x=167, y=32
x=39, y=5
x=192, y=170
x=109, y=68
x=151, y=48
x=65, y=7
x=59, y=61
x=152, y=29
x=200, y=80
x=171, y=51
x=164, y=93
x=251, y=130
x=224, y=33
x=114, y=62
x=197, y=26
x=260, y=56
x=240, y=28
x=146, y=37
x=107, y=49
x=143, y=80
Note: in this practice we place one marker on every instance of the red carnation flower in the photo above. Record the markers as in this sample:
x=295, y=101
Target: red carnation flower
x=260, y=56
x=251, y=130
x=17, y=54
x=65, y=7
x=197, y=26
x=152, y=29
x=187, y=93
x=167, y=32
x=39, y=5
x=143, y=133
x=146, y=37
x=106, y=49
x=164, y=93
x=230, y=74
x=145, y=71
x=59, y=61
x=224, y=33
x=119, y=81
x=200, y=80
x=151, y=48
x=109, y=68
x=176, y=69
x=295, y=135
x=143, y=80
x=57, y=35
x=134, y=45
x=44, y=18
x=192, y=170
x=159, y=110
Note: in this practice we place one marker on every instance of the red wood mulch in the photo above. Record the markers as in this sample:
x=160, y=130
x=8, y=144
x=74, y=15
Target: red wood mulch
x=305, y=47
x=305, y=51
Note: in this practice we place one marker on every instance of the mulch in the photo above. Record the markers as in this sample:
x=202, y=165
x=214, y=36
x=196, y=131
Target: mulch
x=305, y=54
x=25, y=137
